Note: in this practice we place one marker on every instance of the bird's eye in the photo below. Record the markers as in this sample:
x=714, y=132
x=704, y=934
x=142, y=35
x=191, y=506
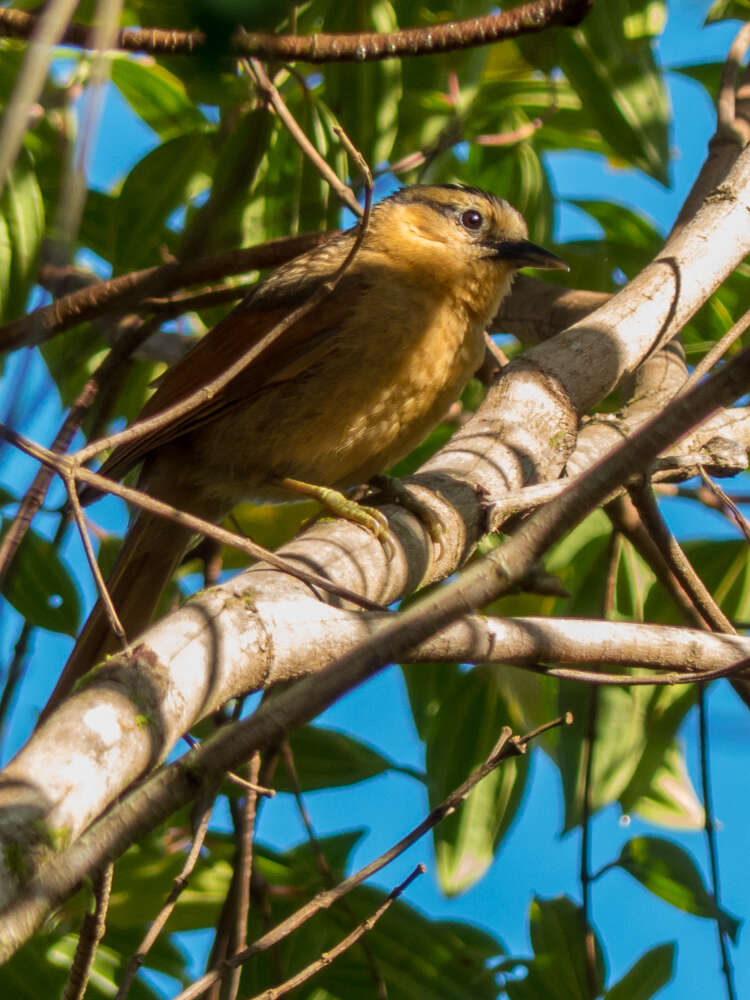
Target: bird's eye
x=471, y=219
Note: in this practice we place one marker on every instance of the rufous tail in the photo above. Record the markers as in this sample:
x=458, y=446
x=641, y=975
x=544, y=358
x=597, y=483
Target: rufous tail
x=149, y=555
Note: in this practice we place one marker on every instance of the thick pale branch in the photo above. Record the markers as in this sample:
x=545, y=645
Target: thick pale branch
x=133, y=710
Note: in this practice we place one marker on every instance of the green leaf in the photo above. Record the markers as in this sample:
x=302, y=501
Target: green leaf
x=622, y=226
x=157, y=96
x=222, y=222
x=670, y=800
x=709, y=74
x=146, y=202
x=661, y=790
x=645, y=20
x=724, y=567
x=144, y=877
x=365, y=97
x=40, y=588
x=42, y=968
x=669, y=872
x=619, y=83
x=460, y=715
x=578, y=560
x=416, y=956
x=558, y=969
x=324, y=758
x=725, y=9
x=518, y=174
x=21, y=231
x=98, y=222
x=652, y=971
x=621, y=738
x=635, y=760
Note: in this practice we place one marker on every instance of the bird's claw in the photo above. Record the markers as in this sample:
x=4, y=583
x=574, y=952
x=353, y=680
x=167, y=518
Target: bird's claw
x=391, y=488
x=338, y=505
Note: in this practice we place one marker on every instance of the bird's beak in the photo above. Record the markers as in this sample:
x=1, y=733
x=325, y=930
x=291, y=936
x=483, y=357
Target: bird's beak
x=523, y=253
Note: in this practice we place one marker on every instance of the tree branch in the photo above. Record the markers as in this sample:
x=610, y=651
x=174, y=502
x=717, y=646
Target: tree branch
x=323, y=48
x=191, y=662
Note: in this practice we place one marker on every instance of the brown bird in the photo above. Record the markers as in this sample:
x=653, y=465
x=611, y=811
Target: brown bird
x=338, y=397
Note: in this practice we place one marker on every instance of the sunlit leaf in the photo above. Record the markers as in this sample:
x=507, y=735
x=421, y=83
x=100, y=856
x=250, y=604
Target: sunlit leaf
x=157, y=96
x=21, y=231
x=669, y=872
x=644, y=979
x=460, y=715
x=618, y=81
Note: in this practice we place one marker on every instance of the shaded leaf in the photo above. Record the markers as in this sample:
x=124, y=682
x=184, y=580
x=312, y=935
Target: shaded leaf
x=42, y=967
x=146, y=203
x=709, y=74
x=324, y=758
x=40, y=588
x=722, y=9
x=365, y=97
x=558, y=969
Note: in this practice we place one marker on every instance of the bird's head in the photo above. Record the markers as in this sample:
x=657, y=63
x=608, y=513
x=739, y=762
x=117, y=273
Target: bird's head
x=459, y=236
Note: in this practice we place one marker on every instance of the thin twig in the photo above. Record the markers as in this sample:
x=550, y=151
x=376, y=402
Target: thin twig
x=725, y=104
x=242, y=874
x=106, y=375
x=587, y=763
x=91, y=933
x=645, y=503
x=272, y=96
x=506, y=746
x=65, y=466
x=204, y=805
x=44, y=32
x=600, y=679
x=381, y=990
x=75, y=505
x=73, y=184
x=587, y=751
x=206, y=298
x=127, y=290
x=721, y=347
x=737, y=515
x=194, y=399
x=328, y=956
x=708, y=825
x=321, y=48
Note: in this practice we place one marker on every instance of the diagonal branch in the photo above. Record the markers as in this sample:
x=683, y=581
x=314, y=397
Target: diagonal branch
x=524, y=431
x=125, y=291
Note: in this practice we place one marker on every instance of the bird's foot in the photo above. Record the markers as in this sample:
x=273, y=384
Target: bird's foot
x=391, y=488
x=341, y=506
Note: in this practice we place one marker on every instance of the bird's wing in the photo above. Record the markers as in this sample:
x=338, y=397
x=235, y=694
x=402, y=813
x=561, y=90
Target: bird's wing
x=293, y=350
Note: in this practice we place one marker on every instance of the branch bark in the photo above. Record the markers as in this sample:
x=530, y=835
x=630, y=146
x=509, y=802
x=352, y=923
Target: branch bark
x=135, y=708
x=324, y=48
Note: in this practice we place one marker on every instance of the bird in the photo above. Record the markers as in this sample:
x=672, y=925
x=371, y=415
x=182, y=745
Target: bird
x=341, y=395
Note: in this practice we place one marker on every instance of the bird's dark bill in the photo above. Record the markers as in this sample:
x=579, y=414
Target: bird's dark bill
x=524, y=253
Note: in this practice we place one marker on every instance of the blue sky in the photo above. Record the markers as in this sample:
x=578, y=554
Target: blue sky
x=533, y=859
